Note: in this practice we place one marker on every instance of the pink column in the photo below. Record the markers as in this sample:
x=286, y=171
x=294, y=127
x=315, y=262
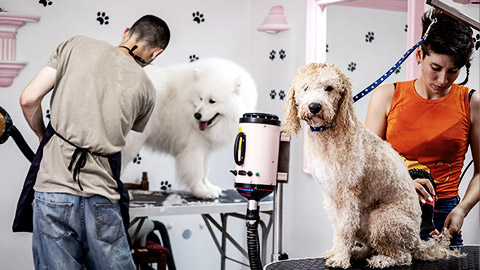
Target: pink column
x=416, y=8
x=9, y=67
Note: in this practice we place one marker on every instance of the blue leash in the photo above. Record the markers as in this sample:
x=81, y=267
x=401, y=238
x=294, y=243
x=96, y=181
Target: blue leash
x=374, y=85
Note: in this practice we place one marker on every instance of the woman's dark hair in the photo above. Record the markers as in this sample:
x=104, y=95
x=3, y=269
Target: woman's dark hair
x=448, y=36
x=152, y=30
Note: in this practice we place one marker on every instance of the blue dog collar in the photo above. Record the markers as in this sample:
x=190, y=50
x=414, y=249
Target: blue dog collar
x=320, y=128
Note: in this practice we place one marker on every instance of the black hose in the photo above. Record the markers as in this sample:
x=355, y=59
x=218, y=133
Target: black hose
x=427, y=224
x=21, y=143
x=253, y=245
x=165, y=242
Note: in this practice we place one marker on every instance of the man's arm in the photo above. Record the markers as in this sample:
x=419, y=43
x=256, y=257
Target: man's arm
x=31, y=98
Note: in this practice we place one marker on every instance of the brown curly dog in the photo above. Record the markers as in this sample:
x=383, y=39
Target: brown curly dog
x=369, y=194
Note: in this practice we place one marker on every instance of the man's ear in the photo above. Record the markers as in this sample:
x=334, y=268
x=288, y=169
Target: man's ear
x=126, y=34
x=156, y=52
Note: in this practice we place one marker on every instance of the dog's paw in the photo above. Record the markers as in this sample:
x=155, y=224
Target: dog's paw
x=382, y=261
x=338, y=260
x=205, y=192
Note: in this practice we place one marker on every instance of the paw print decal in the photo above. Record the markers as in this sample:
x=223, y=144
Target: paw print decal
x=165, y=186
x=273, y=94
x=45, y=2
x=281, y=94
x=282, y=54
x=198, y=17
x=272, y=55
x=406, y=28
x=137, y=159
x=326, y=48
x=398, y=70
x=47, y=114
x=352, y=66
x=193, y=58
x=369, y=37
x=476, y=41
x=102, y=18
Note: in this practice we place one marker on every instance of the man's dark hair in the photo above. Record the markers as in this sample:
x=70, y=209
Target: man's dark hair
x=152, y=30
x=448, y=36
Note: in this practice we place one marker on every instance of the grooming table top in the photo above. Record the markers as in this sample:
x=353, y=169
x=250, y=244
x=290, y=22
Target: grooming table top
x=469, y=262
x=157, y=203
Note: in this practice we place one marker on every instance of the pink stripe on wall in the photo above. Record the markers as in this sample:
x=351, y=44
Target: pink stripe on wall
x=8, y=51
x=14, y=49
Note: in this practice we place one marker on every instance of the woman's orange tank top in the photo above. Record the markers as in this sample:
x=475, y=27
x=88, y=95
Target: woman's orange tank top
x=432, y=135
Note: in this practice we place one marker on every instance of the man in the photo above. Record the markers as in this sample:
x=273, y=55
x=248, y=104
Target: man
x=100, y=92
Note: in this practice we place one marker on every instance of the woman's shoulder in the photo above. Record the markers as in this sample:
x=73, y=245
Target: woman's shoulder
x=384, y=92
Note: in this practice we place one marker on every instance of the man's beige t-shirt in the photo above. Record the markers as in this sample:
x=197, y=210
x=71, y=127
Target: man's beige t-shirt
x=98, y=97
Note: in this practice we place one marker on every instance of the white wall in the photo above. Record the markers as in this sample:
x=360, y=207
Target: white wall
x=229, y=31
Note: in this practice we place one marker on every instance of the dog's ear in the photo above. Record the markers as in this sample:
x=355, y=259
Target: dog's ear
x=237, y=85
x=292, y=121
x=346, y=112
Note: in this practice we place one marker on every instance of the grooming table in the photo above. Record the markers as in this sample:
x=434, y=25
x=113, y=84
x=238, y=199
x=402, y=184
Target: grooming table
x=145, y=204
x=469, y=262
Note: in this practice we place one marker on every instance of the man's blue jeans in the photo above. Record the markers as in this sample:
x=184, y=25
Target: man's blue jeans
x=70, y=231
x=443, y=207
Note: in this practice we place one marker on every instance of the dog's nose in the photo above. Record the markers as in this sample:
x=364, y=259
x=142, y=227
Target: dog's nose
x=314, y=107
x=197, y=116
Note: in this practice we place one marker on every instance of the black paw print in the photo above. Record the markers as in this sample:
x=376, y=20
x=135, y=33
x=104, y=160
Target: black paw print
x=272, y=55
x=326, y=49
x=45, y=2
x=198, y=17
x=476, y=41
x=406, y=27
x=102, y=18
x=48, y=114
x=281, y=94
x=352, y=66
x=282, y=54
x=193, y=58
x=369, y=37
x=273, y=94
x=165, y=186
x=137, y=159
x=398, y=70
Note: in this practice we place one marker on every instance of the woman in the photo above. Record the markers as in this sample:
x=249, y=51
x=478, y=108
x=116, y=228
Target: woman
x=431, y=120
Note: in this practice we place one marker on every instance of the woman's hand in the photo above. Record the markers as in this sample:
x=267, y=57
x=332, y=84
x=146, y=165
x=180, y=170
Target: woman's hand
x=454, y=221
x=423, y=194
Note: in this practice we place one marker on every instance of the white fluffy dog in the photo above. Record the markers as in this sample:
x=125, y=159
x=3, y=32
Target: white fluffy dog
x=198, y=109
x=369, y=195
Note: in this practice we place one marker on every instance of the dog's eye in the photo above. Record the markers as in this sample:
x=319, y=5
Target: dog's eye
x=211, y=101
x=328, y=88
x=305, y=88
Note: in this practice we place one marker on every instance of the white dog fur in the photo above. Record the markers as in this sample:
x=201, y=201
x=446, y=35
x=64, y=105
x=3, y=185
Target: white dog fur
x=369, y=195
x=188, y=97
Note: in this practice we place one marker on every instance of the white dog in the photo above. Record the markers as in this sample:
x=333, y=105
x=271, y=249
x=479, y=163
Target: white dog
x=198, y=109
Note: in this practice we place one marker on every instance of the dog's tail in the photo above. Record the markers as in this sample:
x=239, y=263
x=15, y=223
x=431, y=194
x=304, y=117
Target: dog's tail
x=435, y=248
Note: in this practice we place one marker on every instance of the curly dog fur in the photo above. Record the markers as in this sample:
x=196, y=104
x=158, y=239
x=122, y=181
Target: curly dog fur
x=369, y=195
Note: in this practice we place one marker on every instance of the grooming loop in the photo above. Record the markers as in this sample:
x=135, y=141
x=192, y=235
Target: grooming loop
x=374, y=85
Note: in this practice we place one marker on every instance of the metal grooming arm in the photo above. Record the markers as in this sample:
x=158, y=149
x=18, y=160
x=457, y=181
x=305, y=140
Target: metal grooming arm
x=454, y=13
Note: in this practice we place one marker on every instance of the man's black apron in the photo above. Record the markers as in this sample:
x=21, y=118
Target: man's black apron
x=23, y=221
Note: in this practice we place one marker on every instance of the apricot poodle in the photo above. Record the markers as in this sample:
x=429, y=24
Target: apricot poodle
x=369, y=195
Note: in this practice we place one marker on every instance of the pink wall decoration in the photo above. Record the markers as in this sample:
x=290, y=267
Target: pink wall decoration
x=275, y=22
x=9, y=24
